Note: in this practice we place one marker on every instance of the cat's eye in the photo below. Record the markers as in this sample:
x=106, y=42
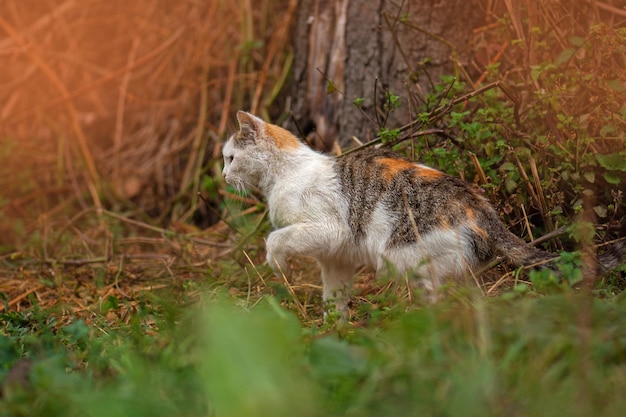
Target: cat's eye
x=228, y=159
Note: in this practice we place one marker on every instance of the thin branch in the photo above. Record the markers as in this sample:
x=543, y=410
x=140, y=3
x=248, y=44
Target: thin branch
x=433, y=116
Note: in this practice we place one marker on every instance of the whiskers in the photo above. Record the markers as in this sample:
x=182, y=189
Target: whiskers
x=241, y=186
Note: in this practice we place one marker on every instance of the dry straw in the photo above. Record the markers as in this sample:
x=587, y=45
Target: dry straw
x=122, y=104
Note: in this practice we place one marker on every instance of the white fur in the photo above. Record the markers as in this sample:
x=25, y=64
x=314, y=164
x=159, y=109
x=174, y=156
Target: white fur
x=310, y=217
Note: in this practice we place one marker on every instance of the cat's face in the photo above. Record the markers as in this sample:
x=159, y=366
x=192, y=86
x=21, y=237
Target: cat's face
x=245, y=155
x=232, y=177
x=242, y=166
x=253, y=155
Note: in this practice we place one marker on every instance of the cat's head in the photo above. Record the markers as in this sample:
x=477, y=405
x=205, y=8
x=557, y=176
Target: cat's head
x=250, y=155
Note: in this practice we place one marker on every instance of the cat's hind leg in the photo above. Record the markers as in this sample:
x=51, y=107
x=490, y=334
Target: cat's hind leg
x=337, y=283
x=422, y=275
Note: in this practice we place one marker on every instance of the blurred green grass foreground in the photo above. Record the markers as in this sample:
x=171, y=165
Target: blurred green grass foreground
x=556, y=355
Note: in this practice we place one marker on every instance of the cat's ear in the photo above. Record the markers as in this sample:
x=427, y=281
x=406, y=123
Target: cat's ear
x=251, y=127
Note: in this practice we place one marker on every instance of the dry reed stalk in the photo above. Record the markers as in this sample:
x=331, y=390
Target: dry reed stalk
x=29, y=49
x=493, y=61
x=527, y=223
x=543, y=206
x=529, y=185
x=121, y=101
x=479, y=168
x=138, y=140
x=278, y=43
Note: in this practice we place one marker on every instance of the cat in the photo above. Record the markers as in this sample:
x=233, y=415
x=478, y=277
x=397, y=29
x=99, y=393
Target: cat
x=371, y=207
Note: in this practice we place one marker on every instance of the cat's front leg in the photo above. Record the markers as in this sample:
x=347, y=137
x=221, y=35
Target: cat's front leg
x=276, y=257
x=296, y=239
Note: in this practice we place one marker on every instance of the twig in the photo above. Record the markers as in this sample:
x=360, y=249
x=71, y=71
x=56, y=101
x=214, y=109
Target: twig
x=404, y=138
x=191, y=173
x=255, y=268
x=20, y=297
x=367, y=117
x=379, y=123
x=238, y=197
x=230, y=82
x=275, y=46
x=610, y=8
x=120, y=269
x=451, y=47
x=495, y=59
x=212, y=210
x=527, y=223
x=543, y=205
x=75, y=262
x=479, y=168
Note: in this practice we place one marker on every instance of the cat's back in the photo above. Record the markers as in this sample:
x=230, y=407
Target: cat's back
x=380, y=183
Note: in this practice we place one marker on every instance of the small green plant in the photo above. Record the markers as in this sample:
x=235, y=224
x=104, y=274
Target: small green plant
x=392, y=102
x=358, y=102
x=388, y=135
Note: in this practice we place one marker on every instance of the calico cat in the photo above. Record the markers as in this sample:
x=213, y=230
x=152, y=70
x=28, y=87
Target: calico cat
x=371, y=207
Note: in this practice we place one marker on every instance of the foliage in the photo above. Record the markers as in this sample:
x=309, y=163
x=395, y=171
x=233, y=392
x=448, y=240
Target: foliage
x=468, y=355
x=546, y=140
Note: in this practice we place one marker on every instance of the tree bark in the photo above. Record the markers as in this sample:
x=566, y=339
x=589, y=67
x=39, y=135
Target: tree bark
x=366, y=49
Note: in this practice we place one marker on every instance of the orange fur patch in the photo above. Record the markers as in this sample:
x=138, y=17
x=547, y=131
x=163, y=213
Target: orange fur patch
x=392, y=166
x=479, y=230
x=443, y=222
x=283, y=138
x=427, y=172
x=471, y=216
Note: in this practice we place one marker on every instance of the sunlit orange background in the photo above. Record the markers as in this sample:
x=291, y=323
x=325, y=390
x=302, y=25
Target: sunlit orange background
x=104, y=101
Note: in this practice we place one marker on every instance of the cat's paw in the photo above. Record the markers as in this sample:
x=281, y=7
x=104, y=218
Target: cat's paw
x=278, y=264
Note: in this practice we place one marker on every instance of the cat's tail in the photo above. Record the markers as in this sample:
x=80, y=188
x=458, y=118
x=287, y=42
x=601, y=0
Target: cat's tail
x=520, y=253
x=613, y=256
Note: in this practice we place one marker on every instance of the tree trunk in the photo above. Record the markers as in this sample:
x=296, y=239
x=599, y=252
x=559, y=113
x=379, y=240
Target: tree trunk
x=363, y=50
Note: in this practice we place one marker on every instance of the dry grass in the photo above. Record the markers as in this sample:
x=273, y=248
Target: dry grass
x=121, y=104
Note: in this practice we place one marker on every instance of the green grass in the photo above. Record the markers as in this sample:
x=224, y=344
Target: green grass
x=542, y=355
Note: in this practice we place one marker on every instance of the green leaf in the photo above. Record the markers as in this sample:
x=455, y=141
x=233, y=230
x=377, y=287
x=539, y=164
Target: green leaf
x=614, y=161
x=510, y=185
x=333, y=358
x=209, y=185
x=508, y=166
x=565, y=56
x=612, y=178
x=616, y=85
x=388, y=135
x=576, y=40
x=110, y=303
x=582, y=231
x=330, y=87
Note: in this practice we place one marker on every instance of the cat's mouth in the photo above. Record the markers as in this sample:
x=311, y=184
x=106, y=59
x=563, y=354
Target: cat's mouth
x=236, y=183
